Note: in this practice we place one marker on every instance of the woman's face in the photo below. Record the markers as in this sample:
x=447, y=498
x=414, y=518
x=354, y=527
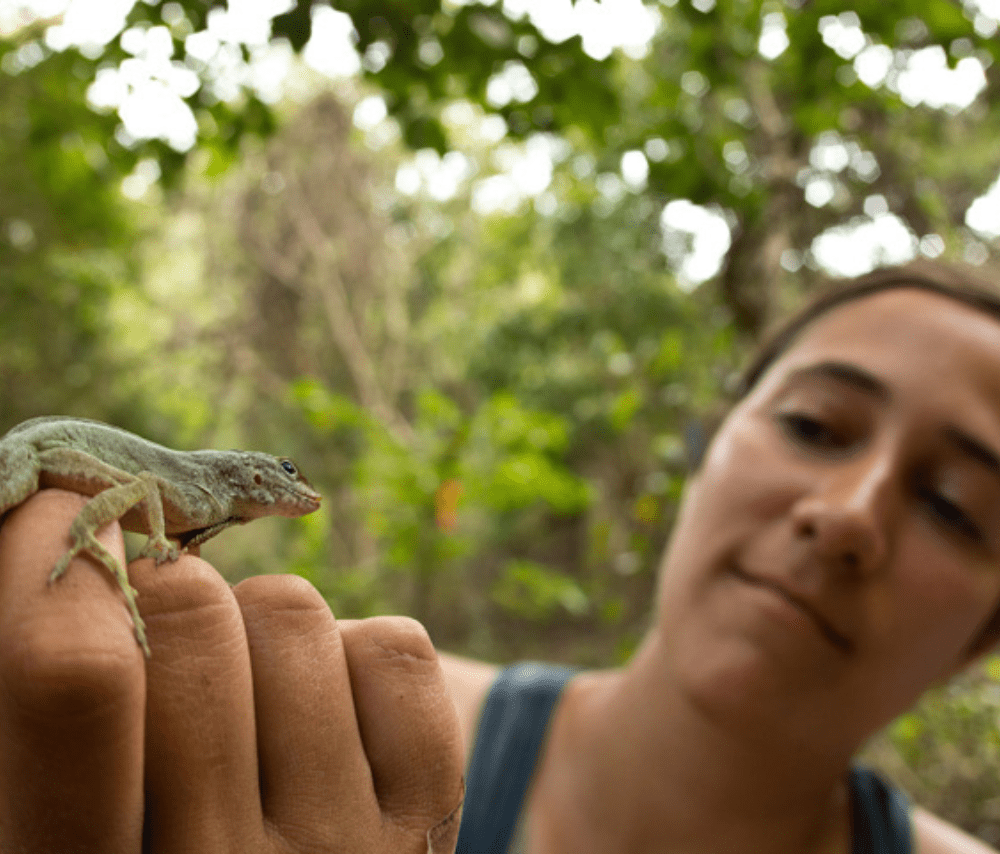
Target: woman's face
x=840, y=546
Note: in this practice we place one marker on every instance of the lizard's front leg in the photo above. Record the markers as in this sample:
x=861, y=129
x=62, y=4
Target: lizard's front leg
x=81, y=472
x=157, y=545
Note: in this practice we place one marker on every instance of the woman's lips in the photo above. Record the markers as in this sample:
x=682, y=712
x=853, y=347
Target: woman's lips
x=838, y=640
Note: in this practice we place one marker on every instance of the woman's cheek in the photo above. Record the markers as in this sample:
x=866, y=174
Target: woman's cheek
x=751, y=471
x=937, y=604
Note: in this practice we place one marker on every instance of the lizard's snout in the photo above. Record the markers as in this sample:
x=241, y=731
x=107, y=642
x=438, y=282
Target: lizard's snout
x=309, y=499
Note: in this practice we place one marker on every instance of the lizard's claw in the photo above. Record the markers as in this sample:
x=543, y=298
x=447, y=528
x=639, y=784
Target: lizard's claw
x=62, y=565
x=160, y=549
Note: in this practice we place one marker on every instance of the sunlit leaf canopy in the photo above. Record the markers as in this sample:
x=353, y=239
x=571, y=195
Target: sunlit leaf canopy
x=773, y=133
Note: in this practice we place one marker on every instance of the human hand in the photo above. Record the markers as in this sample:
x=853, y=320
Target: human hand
x=260, y=724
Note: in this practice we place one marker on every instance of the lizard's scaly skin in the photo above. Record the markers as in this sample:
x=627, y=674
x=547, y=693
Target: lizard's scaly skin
x=151, y=489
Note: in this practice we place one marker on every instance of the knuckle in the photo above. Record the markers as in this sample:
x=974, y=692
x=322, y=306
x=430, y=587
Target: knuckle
x=53, y=674
x=284, y=606
x=408, y=723
x=400, y=641
x=281, y=592
x=186, y=602
x=189, y=584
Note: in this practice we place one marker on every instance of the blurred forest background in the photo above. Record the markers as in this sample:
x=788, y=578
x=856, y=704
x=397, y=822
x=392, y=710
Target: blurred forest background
x=478, y=267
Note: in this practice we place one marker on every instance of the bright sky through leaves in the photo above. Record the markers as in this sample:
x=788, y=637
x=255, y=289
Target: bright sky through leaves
x=148, y=89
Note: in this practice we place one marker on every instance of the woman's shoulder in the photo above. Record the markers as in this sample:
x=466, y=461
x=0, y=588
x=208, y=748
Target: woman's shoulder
x=934, y=835
x=468, y=683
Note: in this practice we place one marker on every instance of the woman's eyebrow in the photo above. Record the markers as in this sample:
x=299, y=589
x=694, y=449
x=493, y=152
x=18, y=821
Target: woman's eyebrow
x=848, y=374
x=860, y=379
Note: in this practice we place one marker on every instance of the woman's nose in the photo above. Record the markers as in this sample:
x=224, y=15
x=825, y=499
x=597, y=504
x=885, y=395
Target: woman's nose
x=845, y=518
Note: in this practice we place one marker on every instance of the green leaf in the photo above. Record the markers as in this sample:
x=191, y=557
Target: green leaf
x=536, y=592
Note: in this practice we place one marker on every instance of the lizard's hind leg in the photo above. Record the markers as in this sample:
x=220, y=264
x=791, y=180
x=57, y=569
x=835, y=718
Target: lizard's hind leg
x=86, y=541
x=104, y=507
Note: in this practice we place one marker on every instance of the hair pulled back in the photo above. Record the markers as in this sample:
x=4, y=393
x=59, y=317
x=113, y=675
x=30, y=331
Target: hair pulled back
x=958, y=283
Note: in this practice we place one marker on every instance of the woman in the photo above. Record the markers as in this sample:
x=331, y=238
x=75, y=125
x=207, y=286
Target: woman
x=836, y=553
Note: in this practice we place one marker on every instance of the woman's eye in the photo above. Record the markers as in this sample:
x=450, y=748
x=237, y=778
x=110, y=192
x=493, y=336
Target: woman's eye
x=952, y=515
x=810, y=430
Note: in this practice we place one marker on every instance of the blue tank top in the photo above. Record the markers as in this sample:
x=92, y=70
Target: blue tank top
x=511, y=730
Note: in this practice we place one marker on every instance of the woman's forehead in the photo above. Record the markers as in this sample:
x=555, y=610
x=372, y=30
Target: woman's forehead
x=905, y=335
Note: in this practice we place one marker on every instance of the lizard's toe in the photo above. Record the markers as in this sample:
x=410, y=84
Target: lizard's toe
x=61, y=566
x=160, y=550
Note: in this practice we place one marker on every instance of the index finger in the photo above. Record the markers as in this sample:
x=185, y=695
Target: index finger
x=72, y=697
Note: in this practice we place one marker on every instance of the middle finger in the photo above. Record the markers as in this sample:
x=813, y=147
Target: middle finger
x=201, y=759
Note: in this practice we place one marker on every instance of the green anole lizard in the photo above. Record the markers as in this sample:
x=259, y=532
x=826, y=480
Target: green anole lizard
x=188, y=495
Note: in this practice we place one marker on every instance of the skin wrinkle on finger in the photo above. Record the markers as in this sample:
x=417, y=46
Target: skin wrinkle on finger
x=196, y=612
x=443, y=836
x=393, y=651
x=401, y=639
x=291, y=607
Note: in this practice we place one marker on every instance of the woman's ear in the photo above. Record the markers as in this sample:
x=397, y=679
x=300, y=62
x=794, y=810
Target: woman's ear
x=699, y=432
x=695, y=442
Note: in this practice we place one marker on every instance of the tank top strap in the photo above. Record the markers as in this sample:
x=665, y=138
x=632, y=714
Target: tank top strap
x=511, y=730
x=880, y=815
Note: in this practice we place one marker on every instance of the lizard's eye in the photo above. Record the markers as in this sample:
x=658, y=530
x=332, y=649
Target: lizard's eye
x=289, y=467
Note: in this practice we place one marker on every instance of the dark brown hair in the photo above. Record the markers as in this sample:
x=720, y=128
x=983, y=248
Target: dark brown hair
x=957, y=283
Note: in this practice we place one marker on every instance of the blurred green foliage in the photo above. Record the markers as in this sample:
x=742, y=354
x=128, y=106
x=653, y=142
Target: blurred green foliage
x=493, y=402
x=946, y=751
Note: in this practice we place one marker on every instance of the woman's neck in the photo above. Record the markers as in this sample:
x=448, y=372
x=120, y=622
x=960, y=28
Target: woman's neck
x=631, y=764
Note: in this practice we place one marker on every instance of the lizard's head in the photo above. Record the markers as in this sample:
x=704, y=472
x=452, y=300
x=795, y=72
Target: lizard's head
x=273, y=486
